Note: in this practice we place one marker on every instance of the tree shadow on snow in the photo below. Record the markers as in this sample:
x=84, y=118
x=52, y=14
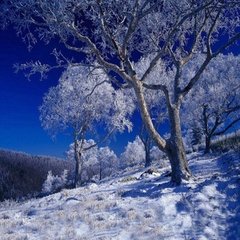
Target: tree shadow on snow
x=229, y=164
x=153, y=190
x=227, y=182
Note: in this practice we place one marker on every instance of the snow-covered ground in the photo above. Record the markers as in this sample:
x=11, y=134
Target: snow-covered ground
x=134, y=207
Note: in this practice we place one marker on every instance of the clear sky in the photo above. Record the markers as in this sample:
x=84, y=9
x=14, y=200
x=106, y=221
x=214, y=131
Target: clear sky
x=20, y=128
x=19, y=100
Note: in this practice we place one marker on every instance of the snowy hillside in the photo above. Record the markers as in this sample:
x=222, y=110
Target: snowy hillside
x=136, y=206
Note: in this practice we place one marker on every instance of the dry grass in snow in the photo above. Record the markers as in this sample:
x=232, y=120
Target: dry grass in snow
x=130, y=207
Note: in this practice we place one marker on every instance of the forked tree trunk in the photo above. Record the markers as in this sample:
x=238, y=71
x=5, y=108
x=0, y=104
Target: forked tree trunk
x=174, y=147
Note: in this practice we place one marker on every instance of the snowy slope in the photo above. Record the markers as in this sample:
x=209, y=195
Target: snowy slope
x=130, y=207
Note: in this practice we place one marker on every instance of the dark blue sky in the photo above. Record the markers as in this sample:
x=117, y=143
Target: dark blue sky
x=19, y=100
x=20, y=127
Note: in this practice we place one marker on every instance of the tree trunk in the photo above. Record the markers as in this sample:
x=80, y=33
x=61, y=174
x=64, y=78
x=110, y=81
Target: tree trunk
x=160, y=142
x=207, y=131
x=100, y=171
x=78, y=165
x=207, y=144
x=175, y=148
x=147, y=142
x=148, y=160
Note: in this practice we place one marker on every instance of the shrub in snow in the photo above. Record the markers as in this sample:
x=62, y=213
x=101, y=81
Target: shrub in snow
x=55, y=183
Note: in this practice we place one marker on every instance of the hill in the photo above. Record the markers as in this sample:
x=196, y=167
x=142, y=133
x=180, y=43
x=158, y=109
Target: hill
x=137, y=205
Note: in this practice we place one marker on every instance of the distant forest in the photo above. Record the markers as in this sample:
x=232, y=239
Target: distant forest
x=23, y=175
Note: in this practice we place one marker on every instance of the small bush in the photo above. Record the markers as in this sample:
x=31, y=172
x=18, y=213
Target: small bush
x=54, y=184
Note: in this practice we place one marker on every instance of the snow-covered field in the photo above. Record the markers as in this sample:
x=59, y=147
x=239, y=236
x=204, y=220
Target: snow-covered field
x=134, y=207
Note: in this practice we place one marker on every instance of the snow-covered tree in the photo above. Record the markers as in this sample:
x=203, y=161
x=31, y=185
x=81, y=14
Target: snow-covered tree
x=83, y=101
x=107, y=162
x=158, y=156
x=134, y=154
x=97, y=162
x=114, y=33
x=214, y=107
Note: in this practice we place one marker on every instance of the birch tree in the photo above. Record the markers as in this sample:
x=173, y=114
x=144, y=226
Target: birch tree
x=115, y=33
